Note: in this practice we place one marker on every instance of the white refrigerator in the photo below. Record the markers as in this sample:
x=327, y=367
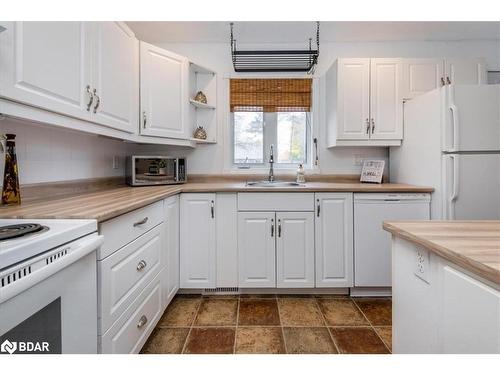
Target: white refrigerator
x=452, y=143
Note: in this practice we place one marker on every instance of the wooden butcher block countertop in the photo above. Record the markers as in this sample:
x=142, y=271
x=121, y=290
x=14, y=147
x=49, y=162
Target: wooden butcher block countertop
x=472, y=245
x=113, y=201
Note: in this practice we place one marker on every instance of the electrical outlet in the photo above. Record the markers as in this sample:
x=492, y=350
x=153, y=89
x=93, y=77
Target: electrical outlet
x=422, y=265
x=116, y=162
x=358, y=160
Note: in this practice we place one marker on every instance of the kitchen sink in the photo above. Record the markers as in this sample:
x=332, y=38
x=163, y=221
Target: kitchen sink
x=266, y=183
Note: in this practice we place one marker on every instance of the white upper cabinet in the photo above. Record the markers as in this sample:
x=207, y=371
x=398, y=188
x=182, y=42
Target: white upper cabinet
x=47, y=65
x=353, y=108
x=295, y=250
x=334, y=240
x=462, y=71
x=386, y=104
x=116, y=76
x=198, y=241
x=86, y=70
x=164, y=93
x=256, y=249
x=364, y=103
x=421, y=76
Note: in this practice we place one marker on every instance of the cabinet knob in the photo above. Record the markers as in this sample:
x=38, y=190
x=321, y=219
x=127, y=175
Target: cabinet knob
x=142, y=322
x=448, y=80
x=212, y=209
x=279, y=228
x=98, y=102
x=367, y=126
x=272, y=227
x=442, y=81
x=318, y=208
x=373, y=125
x=141, y=265
x=144, y=119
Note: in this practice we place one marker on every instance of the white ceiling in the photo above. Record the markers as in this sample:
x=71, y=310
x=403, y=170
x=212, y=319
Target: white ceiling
x=299, y=32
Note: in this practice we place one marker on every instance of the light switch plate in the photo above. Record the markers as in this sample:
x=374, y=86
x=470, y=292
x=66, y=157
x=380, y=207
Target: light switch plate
x=422, y=264
x=116, y=162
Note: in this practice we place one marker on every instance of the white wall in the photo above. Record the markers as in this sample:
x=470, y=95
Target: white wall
x=211, y=158
x=48, y=154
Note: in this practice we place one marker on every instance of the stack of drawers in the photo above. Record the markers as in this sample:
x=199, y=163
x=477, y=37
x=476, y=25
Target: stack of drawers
x=131, y=268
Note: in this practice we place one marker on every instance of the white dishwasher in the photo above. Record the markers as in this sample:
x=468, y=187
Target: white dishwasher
x=372, y=244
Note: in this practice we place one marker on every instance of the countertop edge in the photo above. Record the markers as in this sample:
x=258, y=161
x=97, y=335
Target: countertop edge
x=481, y=269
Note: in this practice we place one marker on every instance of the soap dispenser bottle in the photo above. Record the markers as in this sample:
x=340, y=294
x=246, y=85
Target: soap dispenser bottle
x=301, y=176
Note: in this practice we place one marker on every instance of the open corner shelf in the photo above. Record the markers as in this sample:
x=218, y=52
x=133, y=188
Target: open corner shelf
x=198, y=104
x=206, y=141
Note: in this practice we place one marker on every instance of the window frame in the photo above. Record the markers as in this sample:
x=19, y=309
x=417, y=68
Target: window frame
x=270, y=137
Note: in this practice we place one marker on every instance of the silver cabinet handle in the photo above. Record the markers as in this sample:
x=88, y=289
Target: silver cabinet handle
x=367, y=126
x=142, y=322
x=144, y=119
x=279, y=227
x=91, y=97
x=212, y=209
x=141, y=265
x=373, y=125
x=448, y=80
x=442, y=81
x=98, y=102
x=272, y=227
x=143, y=221
x=318, y=207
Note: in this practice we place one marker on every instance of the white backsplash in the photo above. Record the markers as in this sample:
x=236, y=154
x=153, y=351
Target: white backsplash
x=48, y=154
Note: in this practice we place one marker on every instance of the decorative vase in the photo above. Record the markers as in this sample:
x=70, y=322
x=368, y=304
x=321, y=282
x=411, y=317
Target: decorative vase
x=200, y=133
x=10, y=188
x=201, y=97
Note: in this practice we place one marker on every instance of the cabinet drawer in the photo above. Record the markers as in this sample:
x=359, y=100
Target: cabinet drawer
x=276, y=201
x=124, y=274
x=125, y=228
x=132, y=329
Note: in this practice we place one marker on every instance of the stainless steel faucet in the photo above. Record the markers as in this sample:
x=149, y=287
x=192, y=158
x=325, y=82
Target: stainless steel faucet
x=271, y=162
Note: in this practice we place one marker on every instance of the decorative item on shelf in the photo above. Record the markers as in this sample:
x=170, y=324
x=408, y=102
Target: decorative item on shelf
x=200, y=133
x=10, y=188
x=372, y=171
x=162, y=167
x=201, y=97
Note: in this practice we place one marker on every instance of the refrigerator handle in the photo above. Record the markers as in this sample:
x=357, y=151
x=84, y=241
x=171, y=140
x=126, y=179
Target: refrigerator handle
x=454, y=189
x=454, y=118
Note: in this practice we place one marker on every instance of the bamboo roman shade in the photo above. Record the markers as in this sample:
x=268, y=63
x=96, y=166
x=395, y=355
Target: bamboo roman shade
x=271, y=95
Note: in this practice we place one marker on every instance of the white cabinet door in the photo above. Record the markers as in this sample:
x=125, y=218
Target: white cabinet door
x=353, y=99
x=421, y=76
x=471, y=315
x=164, y=94
x=171, y=272
x=47, y=65
x=115, y=71
x=256, y=249
x=227, y=240
x=198, y=254
x=463, y=71
x=295, y=250
x=386, y=101
x=334, y=240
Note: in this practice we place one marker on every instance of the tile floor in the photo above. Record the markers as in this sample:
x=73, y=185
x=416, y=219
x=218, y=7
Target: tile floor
x=273, y=324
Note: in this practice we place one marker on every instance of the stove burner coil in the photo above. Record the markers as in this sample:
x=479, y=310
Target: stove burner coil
x=19, y=230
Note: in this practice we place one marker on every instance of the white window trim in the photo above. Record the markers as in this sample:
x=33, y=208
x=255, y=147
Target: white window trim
x=231, y=168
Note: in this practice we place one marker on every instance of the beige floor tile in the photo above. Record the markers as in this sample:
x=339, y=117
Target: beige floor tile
x=259, y=340
x=341, y=312
x=308, y=340
x=180, y=313
x=217, y=312
x=358, y=340
x=377, y=310
x=386, y=334
x=299, y=312
x=166, y=341
x=210, y=341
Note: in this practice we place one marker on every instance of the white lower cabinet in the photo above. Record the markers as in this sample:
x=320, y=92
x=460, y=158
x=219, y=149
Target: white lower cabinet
x=334, y=240
x=256, y=249
x=197, y=241
x=132, y=329
x=295, y=250
x=171, y=252
x=276, y=249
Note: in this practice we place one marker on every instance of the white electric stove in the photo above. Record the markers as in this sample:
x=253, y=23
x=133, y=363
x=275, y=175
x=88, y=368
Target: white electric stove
x=48, y=286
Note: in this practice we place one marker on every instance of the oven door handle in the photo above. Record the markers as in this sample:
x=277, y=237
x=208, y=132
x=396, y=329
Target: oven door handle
x=80, y=248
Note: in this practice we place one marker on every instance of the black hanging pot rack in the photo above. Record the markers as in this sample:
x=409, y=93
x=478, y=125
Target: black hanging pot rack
x=265, y=61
